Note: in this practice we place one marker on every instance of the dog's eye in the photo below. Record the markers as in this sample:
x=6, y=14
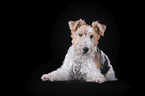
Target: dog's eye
x=80, y=35
x=91, y=36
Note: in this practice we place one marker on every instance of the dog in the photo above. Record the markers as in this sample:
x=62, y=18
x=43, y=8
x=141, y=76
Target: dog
x=84, y=60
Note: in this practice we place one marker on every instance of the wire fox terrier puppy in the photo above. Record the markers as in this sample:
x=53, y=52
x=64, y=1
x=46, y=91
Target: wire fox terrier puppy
x=84, y=60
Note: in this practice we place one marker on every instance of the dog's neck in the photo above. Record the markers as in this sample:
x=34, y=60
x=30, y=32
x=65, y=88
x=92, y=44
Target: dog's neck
x=82, y=56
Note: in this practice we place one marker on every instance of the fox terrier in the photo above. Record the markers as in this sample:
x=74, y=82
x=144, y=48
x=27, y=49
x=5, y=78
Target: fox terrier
x=84, y=60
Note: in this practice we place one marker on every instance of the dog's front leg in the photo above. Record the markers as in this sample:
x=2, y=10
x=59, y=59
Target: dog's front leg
x=95, y=77
x=60, y=74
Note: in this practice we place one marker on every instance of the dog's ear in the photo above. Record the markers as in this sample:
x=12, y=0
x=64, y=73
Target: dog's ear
x=73, y=25
x=100, y=28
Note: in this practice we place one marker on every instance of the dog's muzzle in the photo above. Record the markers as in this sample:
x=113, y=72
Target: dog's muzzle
x=85, y=50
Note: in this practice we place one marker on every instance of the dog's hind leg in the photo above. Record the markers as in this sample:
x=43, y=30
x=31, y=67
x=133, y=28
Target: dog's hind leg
x=106, y=68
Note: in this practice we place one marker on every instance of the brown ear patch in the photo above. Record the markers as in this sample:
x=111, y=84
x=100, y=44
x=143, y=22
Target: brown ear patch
x=100, y=28
x=73, y=25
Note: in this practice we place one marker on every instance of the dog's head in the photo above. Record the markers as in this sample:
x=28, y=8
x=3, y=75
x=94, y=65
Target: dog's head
x=85, y=37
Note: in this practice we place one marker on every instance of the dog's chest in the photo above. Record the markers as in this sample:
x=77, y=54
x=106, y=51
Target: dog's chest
x=78, y=71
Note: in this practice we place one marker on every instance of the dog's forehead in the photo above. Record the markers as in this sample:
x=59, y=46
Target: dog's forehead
x=90, y=29
x=86, y=28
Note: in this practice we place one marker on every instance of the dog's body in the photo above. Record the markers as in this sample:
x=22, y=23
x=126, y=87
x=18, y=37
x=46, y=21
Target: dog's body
x=84, y=60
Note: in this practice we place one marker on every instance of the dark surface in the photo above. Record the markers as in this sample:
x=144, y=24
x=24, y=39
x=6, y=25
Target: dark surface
x=37, y=87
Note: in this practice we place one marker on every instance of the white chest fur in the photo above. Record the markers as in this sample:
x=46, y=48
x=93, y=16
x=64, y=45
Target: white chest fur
x=79, y=66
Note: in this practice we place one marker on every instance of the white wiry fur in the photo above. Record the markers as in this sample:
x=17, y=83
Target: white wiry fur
x=79, y=66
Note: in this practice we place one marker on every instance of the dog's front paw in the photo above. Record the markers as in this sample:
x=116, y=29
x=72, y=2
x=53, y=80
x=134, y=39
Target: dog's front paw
x=97, y=79
x=45, y=77
x=100, y=80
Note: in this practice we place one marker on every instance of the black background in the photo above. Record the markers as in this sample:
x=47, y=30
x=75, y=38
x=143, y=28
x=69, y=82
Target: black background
x=45, y=38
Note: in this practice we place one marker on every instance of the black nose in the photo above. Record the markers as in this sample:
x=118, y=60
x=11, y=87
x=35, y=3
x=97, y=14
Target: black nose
x=85, y=50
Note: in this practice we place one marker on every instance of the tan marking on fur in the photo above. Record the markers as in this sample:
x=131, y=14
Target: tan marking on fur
x=75, y=28
x=95, y=33
x=100, y=28
x=73, y=25
x=98, y=37
x=98, y=65
x=83, y=32
x=97, y=60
